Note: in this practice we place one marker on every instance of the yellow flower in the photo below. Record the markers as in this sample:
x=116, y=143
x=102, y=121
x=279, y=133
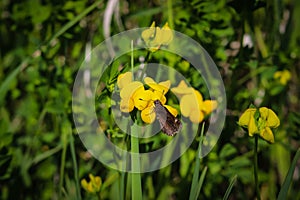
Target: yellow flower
x=158, y=91
x=133, y=95
x=193, y=106
x=93, y=185
x=260, y=122
x=283, y=76
x=182, y=89
x=141, y=98
x=154, y=37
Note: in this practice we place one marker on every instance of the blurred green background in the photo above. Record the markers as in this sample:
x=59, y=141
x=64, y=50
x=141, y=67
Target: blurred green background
x=43, y=43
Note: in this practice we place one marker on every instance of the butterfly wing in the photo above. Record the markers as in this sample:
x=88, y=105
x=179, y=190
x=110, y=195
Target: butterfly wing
x=169, y=124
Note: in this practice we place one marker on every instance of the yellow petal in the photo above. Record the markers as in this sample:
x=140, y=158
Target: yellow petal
x=267, y=134
x=124, y=79
x=158, y=96
x=165, y=84
x=246, y=116
x=157, y=41
x=196, y=116
x=91, y=176
x=286, y=76
x=128, y=90
x=149, y=80
x=142, y=98
x=182, y=89
x=87, y=186
x=149, y=33
x=126, y=105
x=84, y=184
x=148, y=115
x=252, y=127
x=90, y=188
x=283, y=76
x=97, y=183
x=162, y=87
x=190, y=102
x=271, y=118
x=166, y=35
x=172, y=110
x=277, y=74
x=198, y=96
x=208, y=106
x=186, y=106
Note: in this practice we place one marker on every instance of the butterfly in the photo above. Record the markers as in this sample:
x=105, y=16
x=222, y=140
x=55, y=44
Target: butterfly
x=169, y=124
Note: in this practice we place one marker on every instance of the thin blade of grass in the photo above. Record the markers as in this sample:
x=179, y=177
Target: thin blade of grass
x=288, y=179
x=200, y=183
x=195, y=179
x=228, y=191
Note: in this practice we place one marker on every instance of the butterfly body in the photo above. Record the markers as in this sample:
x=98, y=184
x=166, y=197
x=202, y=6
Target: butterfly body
x=170, y=125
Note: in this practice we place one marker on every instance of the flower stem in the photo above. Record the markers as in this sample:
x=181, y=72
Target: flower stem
x=135, y=163
x=132, y=59
x=257, y=193
x=170, y=14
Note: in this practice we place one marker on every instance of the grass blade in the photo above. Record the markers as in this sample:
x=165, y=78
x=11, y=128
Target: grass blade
x=200, y=183
x=195, y=179
x=288, y=179
x=228, y=191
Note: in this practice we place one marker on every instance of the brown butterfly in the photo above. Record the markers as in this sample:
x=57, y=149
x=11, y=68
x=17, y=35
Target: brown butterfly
x=170, y=125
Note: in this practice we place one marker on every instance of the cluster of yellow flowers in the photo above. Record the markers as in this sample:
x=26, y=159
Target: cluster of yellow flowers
x=93, y=185
x=134, y=95
x=154, y=37
x=283, y=76
x=260, y=121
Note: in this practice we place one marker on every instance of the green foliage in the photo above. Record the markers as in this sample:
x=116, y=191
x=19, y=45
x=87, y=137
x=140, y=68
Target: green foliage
x=43, y=44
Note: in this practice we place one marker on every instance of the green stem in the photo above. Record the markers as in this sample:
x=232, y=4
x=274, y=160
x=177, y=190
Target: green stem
x=256, y=168
x=170, y=14
x=132, y=59
x=135, y=160
x=136, y=176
